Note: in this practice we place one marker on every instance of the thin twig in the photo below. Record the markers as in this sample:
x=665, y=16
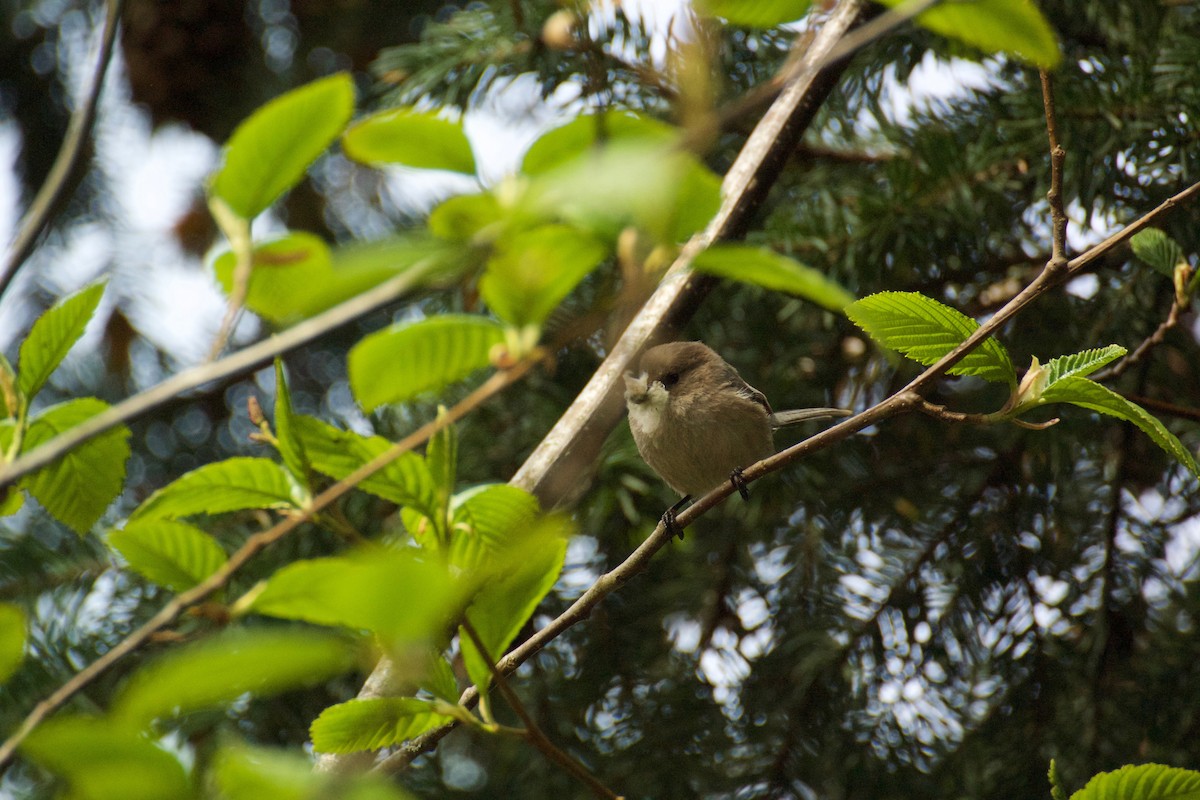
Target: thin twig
x=1058, y=216
x=1163, y=407
x=37, y=217
x=1151, y=341
x=253, y=546
x=534, y=732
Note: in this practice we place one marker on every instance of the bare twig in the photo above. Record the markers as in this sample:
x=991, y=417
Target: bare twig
x=253, y=546
x=532, y=730
x=38, y=215
x=1151, y=341
x=1058, y=216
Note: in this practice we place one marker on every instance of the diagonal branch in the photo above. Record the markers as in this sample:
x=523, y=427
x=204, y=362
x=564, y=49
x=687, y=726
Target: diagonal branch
x=245, y=360
x=42, y=208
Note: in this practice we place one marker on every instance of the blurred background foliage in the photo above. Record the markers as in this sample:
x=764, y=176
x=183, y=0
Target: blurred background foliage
x=925, y=610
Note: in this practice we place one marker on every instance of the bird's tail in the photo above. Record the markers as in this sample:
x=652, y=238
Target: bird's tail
x=782, y=418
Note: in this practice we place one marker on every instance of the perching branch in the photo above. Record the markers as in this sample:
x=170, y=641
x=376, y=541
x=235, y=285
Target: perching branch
x=906, y=400
x=80, y=126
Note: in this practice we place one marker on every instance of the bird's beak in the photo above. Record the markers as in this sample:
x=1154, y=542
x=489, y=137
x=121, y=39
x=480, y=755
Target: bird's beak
x=636, y=388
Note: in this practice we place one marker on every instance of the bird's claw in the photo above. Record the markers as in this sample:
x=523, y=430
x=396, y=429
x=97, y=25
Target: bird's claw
x=739, y=483
x=671, y=523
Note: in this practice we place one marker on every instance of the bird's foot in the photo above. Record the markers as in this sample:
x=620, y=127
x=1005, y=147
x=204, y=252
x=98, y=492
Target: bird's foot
x=739, y=483
x=670, y=521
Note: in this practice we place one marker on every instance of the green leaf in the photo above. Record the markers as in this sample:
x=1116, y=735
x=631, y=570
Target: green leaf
x=52, y=336
x=1091, y=395
x=79, y=486
x=1057, y=792
x=173, y=554
x=523, y=576
x=485, y=521
x=217, y=670
x=271, y=150
x=642, y=182
x=770, y=270
x=291, y=446
x=1081, y=364
x=12, y=639
x=241, y=772
x=231, y=485
x=755, y=13
x=297, y=276
x=925, y=330
x=1015, y=27
x=396, y=594
x=532, y=271
x=102, y=760
x=441, y=457
x=439, y=681
x=411, y=138
x=1142, y=782
x=466, y=217
x=1157, y=249
x=336, y=453
x=563, y=144
x=399, y=363
x=372, y=724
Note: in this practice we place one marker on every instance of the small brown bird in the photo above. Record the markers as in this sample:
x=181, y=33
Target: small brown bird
x=697, y=423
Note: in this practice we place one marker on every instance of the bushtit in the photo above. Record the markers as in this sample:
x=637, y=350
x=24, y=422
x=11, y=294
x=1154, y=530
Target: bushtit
x=697, y=423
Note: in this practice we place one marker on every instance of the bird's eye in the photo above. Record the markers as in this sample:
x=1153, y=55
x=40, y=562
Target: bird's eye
x=670, y=379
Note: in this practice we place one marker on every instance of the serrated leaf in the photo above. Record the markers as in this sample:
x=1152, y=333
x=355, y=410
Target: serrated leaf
x=1091, y=395
x=396, y=594
x=241, y=772
x=372, y=724
x=1142, y=782
x=532, y=271
x=12, y=639
x=770, y=270
x=563, y=144
x=439, y=680
x=925, y=330
x=291, y=446
x=410, y=138
x=485, y=522
x=399, y=363
x=234, y=484
x=79, y=486
x=337, y=453
x=1015, y=27
x=101, y=759
x=221, y=668
x=52, y=336
x=271, y=150
x=522, y=577
x=441, y=457
x=1157, y=249
x=755, y=13
x=173, y=554
x=1081, y=364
